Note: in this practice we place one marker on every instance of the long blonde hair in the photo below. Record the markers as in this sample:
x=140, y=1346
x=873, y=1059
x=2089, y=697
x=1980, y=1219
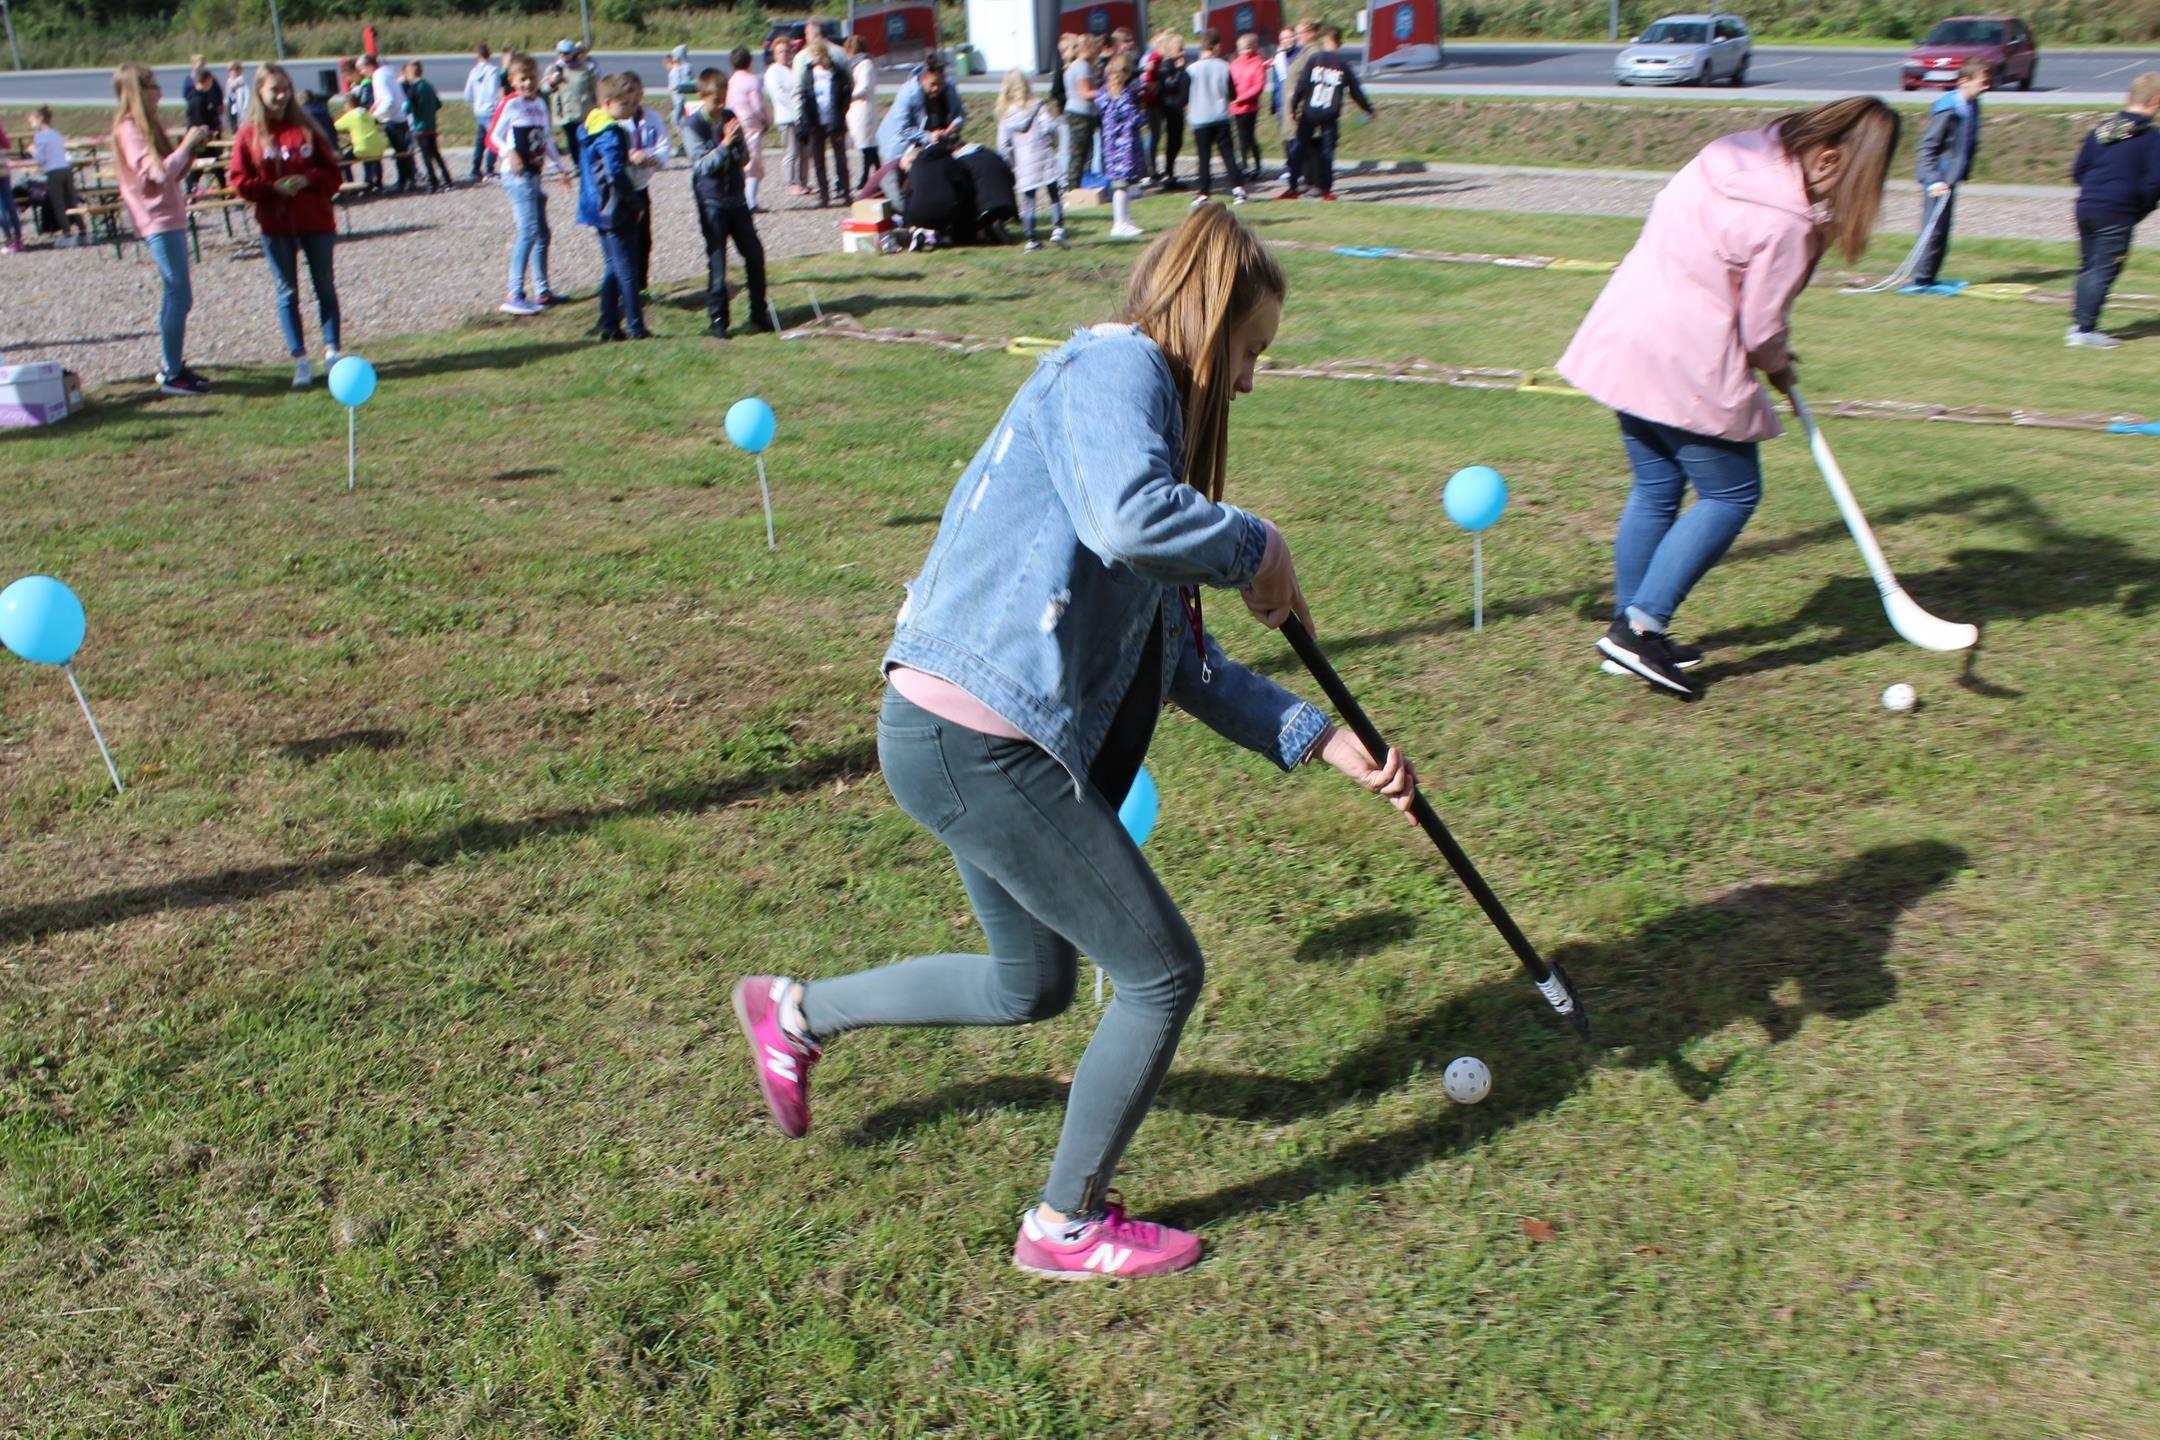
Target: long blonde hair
x=259, y=115
x=1187, y=293
x=1866, y=131
x=1014, y=93
x=127, y=84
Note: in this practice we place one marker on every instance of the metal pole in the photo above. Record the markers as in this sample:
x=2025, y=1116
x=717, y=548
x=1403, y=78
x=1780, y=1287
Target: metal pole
x=585, y=19
x=277, y=33
x=1612, y=26
x=8, y=16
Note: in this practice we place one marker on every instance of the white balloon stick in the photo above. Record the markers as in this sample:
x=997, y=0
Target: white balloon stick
x=350, y=413
x=1477, y=583
x=94, y=730
x=765, y=491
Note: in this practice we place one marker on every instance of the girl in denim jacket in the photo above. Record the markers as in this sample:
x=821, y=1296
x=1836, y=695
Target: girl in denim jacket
x=1058, y=610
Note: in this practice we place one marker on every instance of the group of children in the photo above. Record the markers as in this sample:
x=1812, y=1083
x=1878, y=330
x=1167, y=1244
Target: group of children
x=49, y=152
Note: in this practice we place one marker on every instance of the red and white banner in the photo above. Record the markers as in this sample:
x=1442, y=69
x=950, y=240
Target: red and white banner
x=898, y=27
x=1402, y=32
x=1100, y=17
x=1256, y=17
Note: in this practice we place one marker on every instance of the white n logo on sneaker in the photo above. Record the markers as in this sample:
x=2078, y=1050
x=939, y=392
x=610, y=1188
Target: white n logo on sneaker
x=1108, y=1258
x=780, y=1062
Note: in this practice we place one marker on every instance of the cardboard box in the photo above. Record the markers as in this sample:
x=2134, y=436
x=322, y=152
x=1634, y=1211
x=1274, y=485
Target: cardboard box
x=862, y=235
x=871, y=212
x=1086, y=197
x=40, y=393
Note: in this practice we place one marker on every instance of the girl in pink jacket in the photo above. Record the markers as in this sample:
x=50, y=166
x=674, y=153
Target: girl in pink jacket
x=153, y=186
x=1700, y=304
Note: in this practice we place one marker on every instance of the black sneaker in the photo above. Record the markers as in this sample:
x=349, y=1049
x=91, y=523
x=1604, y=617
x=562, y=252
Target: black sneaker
x=718, y=330
x=607, y=336
x=187, y=382
x=639, y=332
x=1646, y=653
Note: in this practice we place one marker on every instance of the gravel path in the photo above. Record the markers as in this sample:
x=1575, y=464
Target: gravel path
x=418, y=262
x=428, y=262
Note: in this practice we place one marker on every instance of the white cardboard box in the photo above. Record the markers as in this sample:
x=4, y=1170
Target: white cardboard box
x=40, y=393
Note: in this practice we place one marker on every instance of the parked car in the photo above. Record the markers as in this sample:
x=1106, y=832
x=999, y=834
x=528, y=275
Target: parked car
x=1687, y=50
x=794, y=30
x=2004, y=41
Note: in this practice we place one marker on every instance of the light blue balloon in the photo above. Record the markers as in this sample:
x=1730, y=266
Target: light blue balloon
x=1142, y=803
x=1474, y=497
x=352, y=380
x=750, y=424
x=41, y=620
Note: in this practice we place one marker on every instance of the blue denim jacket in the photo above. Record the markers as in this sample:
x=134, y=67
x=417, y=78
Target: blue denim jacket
x=903, y=127
x=1066, y=538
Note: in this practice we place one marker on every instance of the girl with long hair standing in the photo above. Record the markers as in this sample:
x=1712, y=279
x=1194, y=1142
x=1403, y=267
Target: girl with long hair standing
x=1701, y=304
x=1022, y=690
x=862, y=112
x=153, y=186
x=824, y=90
x=286, y=166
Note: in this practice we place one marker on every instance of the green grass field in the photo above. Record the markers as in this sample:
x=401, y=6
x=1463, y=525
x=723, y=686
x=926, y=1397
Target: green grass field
x=368, y=1068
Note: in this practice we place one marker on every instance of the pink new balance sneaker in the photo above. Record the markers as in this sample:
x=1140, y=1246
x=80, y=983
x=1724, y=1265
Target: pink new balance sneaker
x=783, y=1066
x=1114, y=1245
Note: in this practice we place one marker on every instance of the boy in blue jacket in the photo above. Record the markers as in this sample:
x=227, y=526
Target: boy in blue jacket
x=610, y=202
x=2118, y=175
x=1946, y=161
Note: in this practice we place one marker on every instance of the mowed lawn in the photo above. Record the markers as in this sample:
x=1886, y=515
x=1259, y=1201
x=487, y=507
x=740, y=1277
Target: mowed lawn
x=368, y=1067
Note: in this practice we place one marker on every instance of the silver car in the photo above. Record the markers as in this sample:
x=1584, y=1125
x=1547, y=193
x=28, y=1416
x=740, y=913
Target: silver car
x=1687, y=50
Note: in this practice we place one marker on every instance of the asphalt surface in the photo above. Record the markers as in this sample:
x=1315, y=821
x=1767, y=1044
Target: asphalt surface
x=2086, y=77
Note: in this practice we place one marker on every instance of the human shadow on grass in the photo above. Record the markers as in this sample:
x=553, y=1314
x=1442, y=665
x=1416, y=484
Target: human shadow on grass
x=1771, y=955
x=2063, y=570
x=474, y=837
x=2137, y=329
x=322, y=747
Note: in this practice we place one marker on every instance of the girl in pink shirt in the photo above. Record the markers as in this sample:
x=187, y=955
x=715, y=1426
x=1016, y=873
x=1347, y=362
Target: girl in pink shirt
x=1700, y=304
x=153, y=187
x=746, y=98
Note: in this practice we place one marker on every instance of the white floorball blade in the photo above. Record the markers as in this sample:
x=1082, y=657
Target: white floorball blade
x=1929, y=632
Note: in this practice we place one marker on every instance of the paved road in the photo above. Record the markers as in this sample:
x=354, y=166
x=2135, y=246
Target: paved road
x=2092, y=77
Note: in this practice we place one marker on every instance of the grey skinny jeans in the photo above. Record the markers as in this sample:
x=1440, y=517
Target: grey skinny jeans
x=1049, y=875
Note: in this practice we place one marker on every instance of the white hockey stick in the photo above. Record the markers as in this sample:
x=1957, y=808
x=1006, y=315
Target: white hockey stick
x=1897, y=278
x=1906, y=616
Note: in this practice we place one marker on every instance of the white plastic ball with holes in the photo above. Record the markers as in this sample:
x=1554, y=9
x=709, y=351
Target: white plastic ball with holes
x=1466, y=1080
x=1899, y=697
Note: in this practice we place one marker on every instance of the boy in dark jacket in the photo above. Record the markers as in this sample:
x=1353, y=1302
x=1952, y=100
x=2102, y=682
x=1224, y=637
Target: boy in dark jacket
x=2118, y=175
x=610, y=203
x=1946, y=162
x=423, y=105
x=713, y=140
x=1317, y=106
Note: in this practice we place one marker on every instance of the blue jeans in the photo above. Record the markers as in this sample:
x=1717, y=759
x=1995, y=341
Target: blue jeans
x=620, y=303
x=283, y=252
x=528, y=204
x=483, y=159
x=1929, y=267
x=10, y=217
x=2101, y=248
x=1050, y=874
x=1659, y=554
x=170, y=251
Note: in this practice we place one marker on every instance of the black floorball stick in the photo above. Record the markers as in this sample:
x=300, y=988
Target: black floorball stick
x=1552, y=982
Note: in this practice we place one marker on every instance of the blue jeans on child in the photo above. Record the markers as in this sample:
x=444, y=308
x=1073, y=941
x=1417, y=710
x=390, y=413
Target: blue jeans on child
x=620, y=303
x=1659, y=554
x=284, y=252
x=528, y=205
x=1049, y=874
x=170, y=251
x=10, y=217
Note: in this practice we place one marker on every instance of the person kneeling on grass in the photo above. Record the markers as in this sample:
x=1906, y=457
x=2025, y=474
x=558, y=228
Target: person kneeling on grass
x=1701, y=303
x=719, y=157
x=2118, y=176
x=1022, y=690
x=609, y=201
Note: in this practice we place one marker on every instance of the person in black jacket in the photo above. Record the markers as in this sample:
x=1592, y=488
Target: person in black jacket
x=1946, y=162
x=2118, y=175
x=1318, y=108
x=825, y=90
x=940, y=195
x=713, y=140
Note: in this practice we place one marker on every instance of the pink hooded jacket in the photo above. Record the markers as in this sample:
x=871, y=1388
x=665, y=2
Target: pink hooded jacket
x=1701, y=302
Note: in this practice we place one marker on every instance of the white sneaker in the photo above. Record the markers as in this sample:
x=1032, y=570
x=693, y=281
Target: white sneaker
x=2092, y=340
x=1031, y=247
x=1237, y=196
x=1198, y=201
x=1057, y=238
x=303, y=374
x=515, y=306
x=330, y=356
x=1126, y=232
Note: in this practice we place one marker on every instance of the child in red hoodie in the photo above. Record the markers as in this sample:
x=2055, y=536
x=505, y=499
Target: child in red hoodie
x=287, y=168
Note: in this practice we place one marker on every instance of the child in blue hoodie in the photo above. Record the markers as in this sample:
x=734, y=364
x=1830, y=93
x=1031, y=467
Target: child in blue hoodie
x=611, y=202
x=2118, y=175
x=1946, y=161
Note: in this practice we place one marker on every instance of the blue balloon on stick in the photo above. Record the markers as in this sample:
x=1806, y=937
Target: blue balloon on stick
x=1142, y=804
x=41, y=620
x=352, y=380
x=1474, y=497
x=750, y=424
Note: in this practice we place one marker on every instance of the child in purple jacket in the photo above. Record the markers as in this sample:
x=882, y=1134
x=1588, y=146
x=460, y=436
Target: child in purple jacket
x=1124, y=160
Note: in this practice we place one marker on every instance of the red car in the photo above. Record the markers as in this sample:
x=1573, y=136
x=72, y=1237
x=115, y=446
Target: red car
x=2004, y=41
